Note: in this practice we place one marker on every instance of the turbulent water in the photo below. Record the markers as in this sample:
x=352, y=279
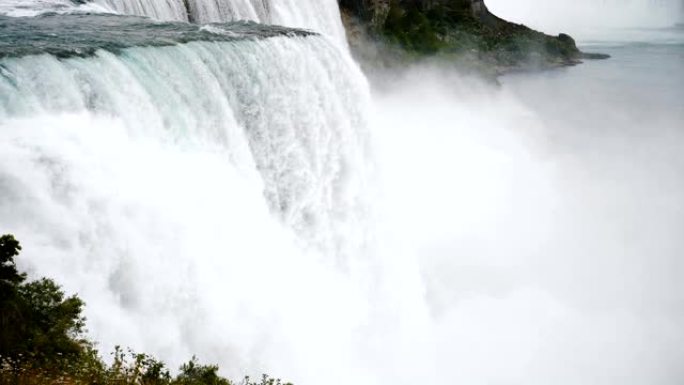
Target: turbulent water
x=230, y=85
x=232, y=190
x=112, y=133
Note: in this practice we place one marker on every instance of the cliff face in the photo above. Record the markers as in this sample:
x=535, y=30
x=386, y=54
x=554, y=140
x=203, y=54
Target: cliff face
x=458, y=28
x=379, y=9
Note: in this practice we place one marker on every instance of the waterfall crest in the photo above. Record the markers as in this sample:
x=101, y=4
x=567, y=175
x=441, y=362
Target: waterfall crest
x=318, y=15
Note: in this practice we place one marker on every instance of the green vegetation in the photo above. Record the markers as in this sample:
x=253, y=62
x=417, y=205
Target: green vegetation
x=455, y=30
x=42, y=340
x=428, y=30
x=451, y=28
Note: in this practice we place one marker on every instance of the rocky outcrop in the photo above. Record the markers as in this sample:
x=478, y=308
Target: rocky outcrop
x=462, y=29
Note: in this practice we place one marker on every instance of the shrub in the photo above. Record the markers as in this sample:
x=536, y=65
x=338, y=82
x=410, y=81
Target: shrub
x=41, y=340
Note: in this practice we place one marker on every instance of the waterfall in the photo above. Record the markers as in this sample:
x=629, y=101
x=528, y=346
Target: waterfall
x=304, y=140
x=160, y=180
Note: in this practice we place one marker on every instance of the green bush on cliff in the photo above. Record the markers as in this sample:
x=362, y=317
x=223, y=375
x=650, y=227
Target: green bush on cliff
x=412, y=29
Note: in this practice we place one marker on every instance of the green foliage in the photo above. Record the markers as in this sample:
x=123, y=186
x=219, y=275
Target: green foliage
x=134, y=368
x=192, y=373
x=413, y=28
x=41, y=340
x=38, y=323
x=450, y=29
x=9, y=275
x=265, y=380
x=51, y=325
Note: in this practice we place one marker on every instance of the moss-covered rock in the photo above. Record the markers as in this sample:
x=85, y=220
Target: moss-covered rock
x=459, y=29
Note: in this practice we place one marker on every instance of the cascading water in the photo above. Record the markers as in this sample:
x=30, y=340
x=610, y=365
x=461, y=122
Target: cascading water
x=261, y=128
x=304, y=142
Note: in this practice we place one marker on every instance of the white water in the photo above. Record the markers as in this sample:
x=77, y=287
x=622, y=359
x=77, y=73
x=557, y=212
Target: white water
x=173, y=247
x=318, y=15
x=209, y=190
x=228, y=94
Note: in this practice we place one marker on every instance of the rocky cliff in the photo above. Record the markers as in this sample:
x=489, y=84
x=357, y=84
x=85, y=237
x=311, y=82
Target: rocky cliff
x=462, y=29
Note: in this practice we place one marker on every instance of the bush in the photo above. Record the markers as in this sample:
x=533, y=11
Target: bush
x=38, y=324
x=42, y=342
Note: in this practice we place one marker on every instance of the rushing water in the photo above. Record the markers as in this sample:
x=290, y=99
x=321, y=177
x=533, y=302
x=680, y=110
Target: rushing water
x=232, y=190
x=260, y=128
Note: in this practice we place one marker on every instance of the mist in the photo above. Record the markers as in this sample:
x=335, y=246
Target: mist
x=546, y=226
x=545, y=212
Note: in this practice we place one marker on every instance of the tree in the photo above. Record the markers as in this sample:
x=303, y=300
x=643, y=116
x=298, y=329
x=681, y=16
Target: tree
x=41, y=340
x=9, y=275
x=37, y=321
x=192, y=373
x=10, y=304
x=51, y=325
